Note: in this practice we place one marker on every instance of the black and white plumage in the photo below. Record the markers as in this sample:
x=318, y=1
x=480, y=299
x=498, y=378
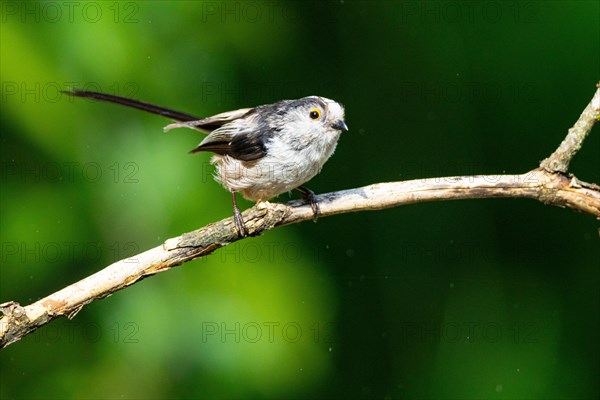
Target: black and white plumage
x=264, y=151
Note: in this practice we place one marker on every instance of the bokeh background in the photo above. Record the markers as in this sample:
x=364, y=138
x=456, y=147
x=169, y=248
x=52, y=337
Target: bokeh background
x=482, y=299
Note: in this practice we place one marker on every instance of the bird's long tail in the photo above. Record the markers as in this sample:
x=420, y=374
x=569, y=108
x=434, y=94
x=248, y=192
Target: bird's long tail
x=140, y=105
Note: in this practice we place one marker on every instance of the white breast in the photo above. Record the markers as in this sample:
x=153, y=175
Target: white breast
x=283, y=169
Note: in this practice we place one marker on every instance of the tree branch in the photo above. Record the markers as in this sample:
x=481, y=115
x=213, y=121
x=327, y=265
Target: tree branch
x=548, y=184
x=560, y=159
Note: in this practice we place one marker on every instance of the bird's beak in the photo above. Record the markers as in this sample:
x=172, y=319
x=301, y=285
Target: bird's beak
x=340, y=125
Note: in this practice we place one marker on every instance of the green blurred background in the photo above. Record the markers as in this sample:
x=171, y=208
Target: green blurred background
x=478, y=299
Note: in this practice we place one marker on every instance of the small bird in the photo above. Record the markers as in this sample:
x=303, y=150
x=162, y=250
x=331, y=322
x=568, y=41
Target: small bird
x=260, y=152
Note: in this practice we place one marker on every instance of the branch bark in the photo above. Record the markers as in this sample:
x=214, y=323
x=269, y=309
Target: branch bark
x=548, y=184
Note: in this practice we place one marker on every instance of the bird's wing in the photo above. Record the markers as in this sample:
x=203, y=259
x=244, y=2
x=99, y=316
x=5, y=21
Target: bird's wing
x=218, y=141
x=209, y=124
x=237, y=141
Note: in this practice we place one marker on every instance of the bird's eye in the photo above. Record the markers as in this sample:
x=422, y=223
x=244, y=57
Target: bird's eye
x=314, y=114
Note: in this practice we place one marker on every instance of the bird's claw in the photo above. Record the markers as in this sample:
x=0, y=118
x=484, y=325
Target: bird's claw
x=309, y=196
